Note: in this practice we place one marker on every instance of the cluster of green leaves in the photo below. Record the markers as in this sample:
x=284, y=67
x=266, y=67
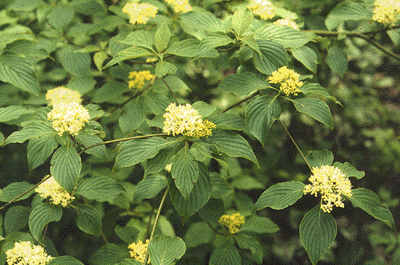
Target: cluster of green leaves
x=114, y=181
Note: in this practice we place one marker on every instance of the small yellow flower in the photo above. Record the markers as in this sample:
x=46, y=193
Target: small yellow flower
x=265, y=9
x=386, y=11
x=168, y=167
x=23, y=253
x=287, y=22
x=288, y=80
x=68, y=117
x=62, y=95
x=139, y=13
x=233, y=221
x=51, y=189
x=185, y=120
x=331, y=183
x=139, y=78
x=180, y=5
x=138, y=250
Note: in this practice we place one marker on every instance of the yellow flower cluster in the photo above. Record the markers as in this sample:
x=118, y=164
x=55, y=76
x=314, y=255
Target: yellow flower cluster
x=287, y=22
x=331, y=183
x=69, y=117
x=386, y=11
x=62, y=95
x=139, y=78
x=233, y=221
x=51, y=189
x=139, y=13
x=185, y=120
x=24, y=254
x=138, y=250
x=265, y=9
x=288, y=79
x=180, y=5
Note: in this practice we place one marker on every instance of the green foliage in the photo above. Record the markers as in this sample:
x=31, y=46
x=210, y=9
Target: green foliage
x=129, y=180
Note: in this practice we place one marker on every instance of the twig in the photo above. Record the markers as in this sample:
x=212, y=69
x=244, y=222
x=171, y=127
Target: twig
x=165, y=82
x=240, y=101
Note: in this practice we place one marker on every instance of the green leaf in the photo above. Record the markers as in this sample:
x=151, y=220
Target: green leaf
x=273, y=56
x=198, y=197
x=198, y=23
x=232, y=144
x=318, y=158
x=317, y=233
x=286, y=36
x=246, y=182
x=197, y=234
x=315, y=108
x=347, y=11
x=129, y=261
x=162, y=37
x=110, y=92
x=243, y=83
x=158, y=163
x=109, y=254
x=99, y=58
x=132, y=116
x=16, y=218
x=227, y=254
x=241, y=20
x=22, y=5
x=185, y=171
x=259, y=225
x=76, y=63
x=99, y=188
x=136, y=151
x=19, y=72
x=88, y=219
x=317, y=89
x=212, y=41
x=251, y=42
x=82, y=84
x=247, y=241
x=307, y=57
x=39, y=150
x=281, y=195
x=166, y=250
x=12, y=112
x=64, y=260
x=139, y=38
x=149, y=187
x=212, y=211
x=165, y=68
x=129, y=53
x=1, y=139
x=349, y=170
x=227, y=121
x=128, y=233
x=261, y=113
x=337, y=60
x=204, y=109
x=89, y=140
x=60, y=16
x=32, y=130
x=184, y=48
x=371, y=204
x=15, y=189
x=41, y=215
x=65, y=167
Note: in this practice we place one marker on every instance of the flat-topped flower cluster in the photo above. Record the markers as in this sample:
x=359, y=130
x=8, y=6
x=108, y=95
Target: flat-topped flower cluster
x=138, y=250
x=52, y=190
x=233, y=222
x=288, y=80
x=23, y=253
x=67, y=115
x=386, y=11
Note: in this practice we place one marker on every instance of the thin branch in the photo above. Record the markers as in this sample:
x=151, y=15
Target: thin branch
x=155, y=222
x=165, y=82
x=19, y=196
x=121, y=140
x=373, y=32
x=240, y=101
x=295, y=144
x=357, y=35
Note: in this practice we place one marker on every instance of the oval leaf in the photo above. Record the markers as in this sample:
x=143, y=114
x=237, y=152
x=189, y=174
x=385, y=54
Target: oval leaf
x=41, y=215
x=315, y=108
x=16, y=189
x=166, y=250
x=280, y=195
x=243, y=83
x=318, y=158
x=149, y=187
x=88, y=219
x=273, y=56
x=99, y=188
x=226, y=254
x=65, y=260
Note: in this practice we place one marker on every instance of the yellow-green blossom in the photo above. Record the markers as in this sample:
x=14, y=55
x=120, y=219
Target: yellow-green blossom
x=287, y=22
x=51, y=189
x=63, y=95
x=138, y=250
x=139, y=13
x=265, y=9
x=180, y=5
x=233, y=221
x=185, y=120
x=68, y=117
x=138, y=79
x=168, y=167
x=331, y=183
x=23, y=253
x=288, y=80
x=386, y=11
